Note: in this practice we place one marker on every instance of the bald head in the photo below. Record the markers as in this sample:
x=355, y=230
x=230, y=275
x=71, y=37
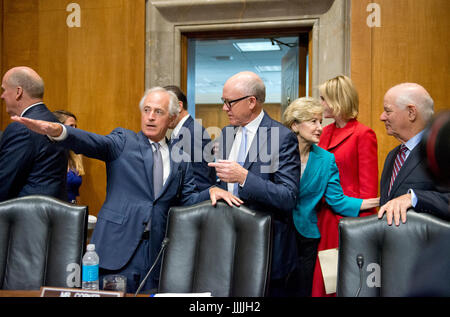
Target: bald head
x=21, y=87
x=249, y=84
x=413, y=94
x=407, y=109
x=243, y=95
x=25, y=77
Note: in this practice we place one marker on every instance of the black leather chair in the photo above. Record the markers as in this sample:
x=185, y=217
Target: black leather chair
x=223, y=250
x=39, y=237
x=393, y=256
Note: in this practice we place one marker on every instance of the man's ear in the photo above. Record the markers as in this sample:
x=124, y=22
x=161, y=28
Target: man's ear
x=412, y=112
x=253, y=102
x=19, y=92
x=172, y=119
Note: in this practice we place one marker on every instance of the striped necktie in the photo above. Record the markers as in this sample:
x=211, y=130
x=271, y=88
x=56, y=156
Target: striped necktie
x=399, y=160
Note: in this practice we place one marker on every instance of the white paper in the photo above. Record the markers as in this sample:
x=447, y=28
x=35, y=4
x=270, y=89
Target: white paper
x=328, y=260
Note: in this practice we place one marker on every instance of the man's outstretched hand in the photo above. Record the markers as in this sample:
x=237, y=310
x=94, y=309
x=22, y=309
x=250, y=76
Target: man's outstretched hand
x=52, y=129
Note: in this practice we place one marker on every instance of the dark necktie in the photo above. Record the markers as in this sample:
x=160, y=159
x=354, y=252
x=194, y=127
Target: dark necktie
x=157, y=169
x=399, y=160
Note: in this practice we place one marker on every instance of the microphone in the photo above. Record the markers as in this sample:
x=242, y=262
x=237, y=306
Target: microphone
x=360, y=262
x=164, y=244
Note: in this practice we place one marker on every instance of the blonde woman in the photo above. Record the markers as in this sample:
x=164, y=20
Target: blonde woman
x=355, y=149
x=75, y=169
x=319, y=179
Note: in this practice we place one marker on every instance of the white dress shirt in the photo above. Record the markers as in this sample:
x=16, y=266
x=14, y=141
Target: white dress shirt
x=252, y=128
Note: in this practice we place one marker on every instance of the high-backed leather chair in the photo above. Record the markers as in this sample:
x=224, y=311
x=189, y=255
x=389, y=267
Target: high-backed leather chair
x=390, y=254
x=39, y=237
x=223, y=250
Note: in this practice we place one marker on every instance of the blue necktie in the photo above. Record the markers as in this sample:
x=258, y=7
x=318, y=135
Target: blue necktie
x=241, y=155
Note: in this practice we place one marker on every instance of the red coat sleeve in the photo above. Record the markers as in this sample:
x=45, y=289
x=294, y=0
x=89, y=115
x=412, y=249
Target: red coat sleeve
x=368, y=164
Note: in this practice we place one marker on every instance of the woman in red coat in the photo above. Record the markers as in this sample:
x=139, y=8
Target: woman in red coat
x=355, y=149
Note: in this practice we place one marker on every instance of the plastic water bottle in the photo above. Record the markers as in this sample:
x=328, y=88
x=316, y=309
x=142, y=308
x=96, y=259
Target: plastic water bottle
x=90, y=269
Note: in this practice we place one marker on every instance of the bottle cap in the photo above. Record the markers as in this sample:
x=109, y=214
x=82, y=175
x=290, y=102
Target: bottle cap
x=90, y=247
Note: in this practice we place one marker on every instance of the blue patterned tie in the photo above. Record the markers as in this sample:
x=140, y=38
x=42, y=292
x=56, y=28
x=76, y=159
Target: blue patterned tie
x=241, y=155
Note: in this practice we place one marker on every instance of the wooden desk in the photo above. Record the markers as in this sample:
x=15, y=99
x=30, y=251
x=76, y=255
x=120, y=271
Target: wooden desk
x=19, y=293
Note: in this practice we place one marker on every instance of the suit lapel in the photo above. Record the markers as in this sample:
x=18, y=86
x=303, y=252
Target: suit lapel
x=343, y=134
x=147, y=155
x=310, y=171
x=408, y=166
x=259, y=144
x=387, y=172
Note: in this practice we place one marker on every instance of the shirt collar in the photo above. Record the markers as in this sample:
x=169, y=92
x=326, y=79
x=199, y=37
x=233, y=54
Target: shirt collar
x=29, y=107
x=177, y=129
x=253, y=125
x=162, y=142
x=412, y=143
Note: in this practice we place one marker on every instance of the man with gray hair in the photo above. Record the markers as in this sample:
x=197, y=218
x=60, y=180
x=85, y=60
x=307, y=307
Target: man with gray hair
x=30, y=164
x=144, y=180
x=405, y=182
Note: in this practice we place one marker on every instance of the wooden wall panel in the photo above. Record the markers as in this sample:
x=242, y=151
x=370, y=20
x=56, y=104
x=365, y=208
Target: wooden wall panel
x=95, y=71
x=410, y=46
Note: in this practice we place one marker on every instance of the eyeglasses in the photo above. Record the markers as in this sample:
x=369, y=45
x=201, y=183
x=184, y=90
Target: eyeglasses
x=228, y=103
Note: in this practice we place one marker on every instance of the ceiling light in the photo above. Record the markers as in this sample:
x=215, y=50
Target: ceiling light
x=256, y=46
x=274, y=68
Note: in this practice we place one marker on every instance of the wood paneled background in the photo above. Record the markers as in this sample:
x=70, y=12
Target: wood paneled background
x=411, y=45
x=97, y=70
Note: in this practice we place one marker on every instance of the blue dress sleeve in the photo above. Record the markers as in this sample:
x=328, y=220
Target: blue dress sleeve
x=334, y=195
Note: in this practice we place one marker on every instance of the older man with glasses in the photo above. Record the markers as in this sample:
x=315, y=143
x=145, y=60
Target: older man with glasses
x=258, y=161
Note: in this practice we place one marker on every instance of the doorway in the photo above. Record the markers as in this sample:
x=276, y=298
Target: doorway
x=208, y=59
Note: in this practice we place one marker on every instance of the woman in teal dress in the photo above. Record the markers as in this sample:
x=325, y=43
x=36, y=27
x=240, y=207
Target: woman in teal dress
x=319, y=179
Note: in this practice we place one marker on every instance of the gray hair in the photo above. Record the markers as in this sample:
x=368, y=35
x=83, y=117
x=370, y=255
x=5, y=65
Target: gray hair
x=173, y=100
x=414, y=94
x=33, y=86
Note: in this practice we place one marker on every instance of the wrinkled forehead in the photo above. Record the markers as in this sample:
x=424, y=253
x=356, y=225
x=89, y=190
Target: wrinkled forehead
x=157, y=99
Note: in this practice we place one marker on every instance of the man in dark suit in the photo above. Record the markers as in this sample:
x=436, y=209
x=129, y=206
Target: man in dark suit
x=29, y=163
x=405, y=182
x=193, y=139
x=146, y=176
x=259, y=161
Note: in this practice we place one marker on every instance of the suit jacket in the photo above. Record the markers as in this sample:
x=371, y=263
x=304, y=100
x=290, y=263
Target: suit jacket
x=431, y=198
x=194, y=140
x=30, y=164
x=273, y=164
x=321, y=179
x=130, y=203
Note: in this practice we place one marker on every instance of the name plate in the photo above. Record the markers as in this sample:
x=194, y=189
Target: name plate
x=75, y=292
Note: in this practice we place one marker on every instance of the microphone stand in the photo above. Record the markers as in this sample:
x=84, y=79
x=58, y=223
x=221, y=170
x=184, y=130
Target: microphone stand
x=163, y=246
